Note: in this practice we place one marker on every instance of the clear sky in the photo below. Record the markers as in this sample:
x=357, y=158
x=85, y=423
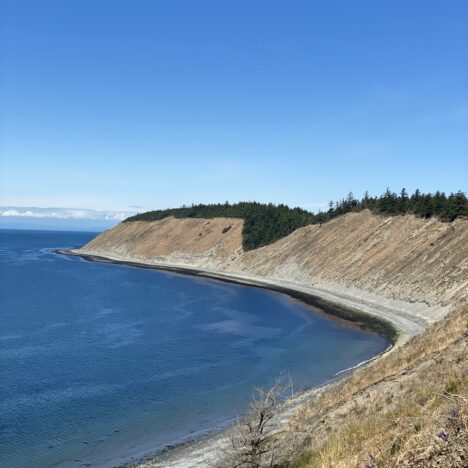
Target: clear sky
x=113, y=105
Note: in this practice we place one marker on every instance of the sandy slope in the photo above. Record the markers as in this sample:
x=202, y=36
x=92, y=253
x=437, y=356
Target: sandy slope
x=401, y=257
x=200, y=242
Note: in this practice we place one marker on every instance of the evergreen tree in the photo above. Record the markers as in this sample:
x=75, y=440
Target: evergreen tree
x=264, y=224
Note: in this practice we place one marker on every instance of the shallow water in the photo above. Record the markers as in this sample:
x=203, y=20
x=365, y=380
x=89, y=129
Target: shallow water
x=102, y=363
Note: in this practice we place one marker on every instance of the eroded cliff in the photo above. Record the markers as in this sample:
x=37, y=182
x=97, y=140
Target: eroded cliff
x=402, y=257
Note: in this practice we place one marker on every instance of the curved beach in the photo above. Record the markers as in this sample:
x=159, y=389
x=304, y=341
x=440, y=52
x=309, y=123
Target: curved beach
x=397, y=323
x=394, y=275
x=399, y=320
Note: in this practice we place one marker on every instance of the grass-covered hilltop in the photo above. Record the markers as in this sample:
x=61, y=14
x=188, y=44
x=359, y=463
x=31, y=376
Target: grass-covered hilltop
x=266, y=223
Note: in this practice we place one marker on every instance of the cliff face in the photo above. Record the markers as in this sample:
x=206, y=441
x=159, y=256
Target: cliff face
x=403, y=258
x=205, y=243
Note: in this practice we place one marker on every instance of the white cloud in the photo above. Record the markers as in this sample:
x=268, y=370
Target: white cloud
x=83, y=201
x=64, y=213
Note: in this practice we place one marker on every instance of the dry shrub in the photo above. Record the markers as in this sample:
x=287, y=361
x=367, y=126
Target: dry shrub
x=253, y=439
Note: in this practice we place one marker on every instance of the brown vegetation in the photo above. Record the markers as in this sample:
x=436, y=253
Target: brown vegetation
x=409, y=408
x=253, y=441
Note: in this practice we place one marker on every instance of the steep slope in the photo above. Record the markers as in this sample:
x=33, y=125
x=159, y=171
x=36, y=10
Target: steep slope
x=201, y=242
x=401, y=258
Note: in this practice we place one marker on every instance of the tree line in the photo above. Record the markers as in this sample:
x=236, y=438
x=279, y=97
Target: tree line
x=263, y=223
x=267, y=223
x=423, y=205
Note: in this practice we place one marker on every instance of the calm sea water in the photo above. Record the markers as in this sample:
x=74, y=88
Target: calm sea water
x=101, y=363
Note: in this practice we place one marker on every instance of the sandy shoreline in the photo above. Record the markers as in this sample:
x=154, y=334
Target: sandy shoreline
x=398, y=320
x=399, y=324
x=206, y=449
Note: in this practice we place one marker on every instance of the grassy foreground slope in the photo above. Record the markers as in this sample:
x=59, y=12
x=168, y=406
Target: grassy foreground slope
x=408, y=409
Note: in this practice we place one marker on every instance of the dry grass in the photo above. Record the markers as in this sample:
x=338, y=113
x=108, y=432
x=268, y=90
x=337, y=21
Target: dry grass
x=409, y=408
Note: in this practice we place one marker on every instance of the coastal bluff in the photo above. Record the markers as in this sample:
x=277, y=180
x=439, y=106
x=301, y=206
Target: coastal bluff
x=409, y=270
x=421, y=264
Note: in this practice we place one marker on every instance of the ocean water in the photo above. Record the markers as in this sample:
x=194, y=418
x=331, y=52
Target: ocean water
x=102, y=363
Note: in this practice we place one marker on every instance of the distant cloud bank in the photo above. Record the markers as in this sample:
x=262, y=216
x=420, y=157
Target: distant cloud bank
x=63, y=219
x=64, y=213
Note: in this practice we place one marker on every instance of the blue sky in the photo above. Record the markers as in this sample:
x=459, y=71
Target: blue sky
x=132, y=105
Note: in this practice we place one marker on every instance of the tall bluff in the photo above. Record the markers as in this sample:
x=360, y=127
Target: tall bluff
x=402, y=257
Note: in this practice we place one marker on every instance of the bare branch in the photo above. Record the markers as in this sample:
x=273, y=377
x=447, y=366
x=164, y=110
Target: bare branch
x=253, y=439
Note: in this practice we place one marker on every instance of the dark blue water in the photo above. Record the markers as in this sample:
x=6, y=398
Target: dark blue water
x=100, y=363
